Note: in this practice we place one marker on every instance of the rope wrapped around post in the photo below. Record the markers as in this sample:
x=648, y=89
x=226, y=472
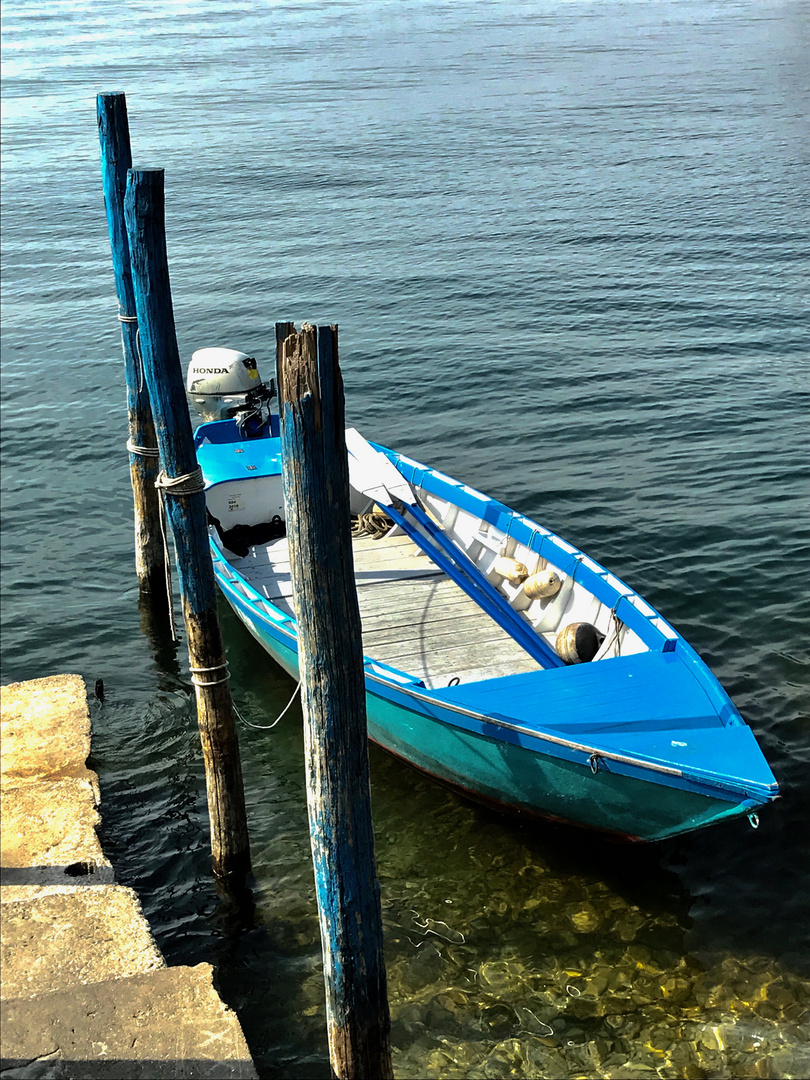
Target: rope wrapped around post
x=143, y=451
x=190, y=483
x=195, y=671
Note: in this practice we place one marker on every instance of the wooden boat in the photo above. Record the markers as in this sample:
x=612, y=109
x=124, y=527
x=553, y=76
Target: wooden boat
x=629, y=733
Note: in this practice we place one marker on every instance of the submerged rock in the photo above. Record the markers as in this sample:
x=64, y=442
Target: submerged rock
x=586, y=919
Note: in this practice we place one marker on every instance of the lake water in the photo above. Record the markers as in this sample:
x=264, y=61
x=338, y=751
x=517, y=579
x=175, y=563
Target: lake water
x=567, y=247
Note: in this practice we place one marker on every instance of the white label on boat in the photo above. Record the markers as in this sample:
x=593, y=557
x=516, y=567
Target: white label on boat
x=235, y=502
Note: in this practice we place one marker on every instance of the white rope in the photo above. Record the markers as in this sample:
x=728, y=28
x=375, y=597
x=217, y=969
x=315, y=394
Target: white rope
x=167, y=564
x=133, y=320
x=143, y=451
x=611, y=639
x=376, y=525
x=139, y=360
x=282, y=714
x=214, y=682
x=189, y=483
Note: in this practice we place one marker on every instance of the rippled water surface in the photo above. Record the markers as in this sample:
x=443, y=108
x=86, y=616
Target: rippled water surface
x=567, y=247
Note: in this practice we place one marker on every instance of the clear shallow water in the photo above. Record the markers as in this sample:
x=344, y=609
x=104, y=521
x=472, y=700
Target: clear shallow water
x=566, y=245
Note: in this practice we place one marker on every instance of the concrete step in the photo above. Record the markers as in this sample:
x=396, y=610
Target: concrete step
x=49, y=796
x=164, y=1025
x=85, y=990
x=59, y=936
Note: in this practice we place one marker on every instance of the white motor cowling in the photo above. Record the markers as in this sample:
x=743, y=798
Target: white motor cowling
x=219, y=382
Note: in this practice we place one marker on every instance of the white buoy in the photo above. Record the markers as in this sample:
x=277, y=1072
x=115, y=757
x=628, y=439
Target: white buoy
x=513, y=571
x=545, y=583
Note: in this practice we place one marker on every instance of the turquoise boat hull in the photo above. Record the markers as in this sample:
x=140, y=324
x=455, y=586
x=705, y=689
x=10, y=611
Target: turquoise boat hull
x=642, y=748
x=507, y=776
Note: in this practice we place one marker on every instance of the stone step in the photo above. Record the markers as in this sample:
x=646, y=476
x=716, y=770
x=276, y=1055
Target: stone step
x=164, y=1025
x=59, y=936
x=49, y=833
x=85, y=990
x=50, y=798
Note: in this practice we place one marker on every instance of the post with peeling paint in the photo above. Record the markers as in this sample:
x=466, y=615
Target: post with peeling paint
x=330, y=656
x=116, y=159
x=182, y=484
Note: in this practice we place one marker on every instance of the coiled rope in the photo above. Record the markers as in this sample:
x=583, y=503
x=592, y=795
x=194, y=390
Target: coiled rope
x=195, y=671
x=376, y=525
x=189, y=483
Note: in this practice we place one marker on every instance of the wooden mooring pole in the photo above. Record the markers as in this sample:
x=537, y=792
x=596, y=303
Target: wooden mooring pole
x=316, y=497
x=116, y=159
x=182, y=485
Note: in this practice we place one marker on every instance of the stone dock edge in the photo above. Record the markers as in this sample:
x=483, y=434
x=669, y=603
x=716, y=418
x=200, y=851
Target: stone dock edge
x=85, y=991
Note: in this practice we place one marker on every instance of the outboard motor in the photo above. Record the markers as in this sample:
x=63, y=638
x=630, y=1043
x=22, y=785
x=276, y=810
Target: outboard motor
x=224, y=384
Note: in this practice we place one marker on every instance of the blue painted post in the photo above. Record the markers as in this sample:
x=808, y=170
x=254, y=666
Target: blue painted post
x=116, y=159
x=316, y=498
x=181, y=481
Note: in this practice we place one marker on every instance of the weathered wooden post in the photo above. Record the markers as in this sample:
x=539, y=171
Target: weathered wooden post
x=116, y=159
x=182, y=486
x=316, y=497
x=283, y=331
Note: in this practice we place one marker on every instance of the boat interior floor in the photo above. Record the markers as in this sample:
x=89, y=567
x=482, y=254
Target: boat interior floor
x=414, y=617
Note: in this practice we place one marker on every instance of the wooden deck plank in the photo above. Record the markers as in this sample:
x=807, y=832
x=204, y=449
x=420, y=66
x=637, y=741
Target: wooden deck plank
x=388, y=560
x=362, y=543
x=371, y=598
x=404, y=631
x=477, y=674
x=448, y=657
x=373, y=563
x=414, y=617
x=441, y=627
x=437, y=594
x=362, y=547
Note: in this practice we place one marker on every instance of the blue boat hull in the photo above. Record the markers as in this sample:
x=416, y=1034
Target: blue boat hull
x=644, y=744
x=515, y=778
